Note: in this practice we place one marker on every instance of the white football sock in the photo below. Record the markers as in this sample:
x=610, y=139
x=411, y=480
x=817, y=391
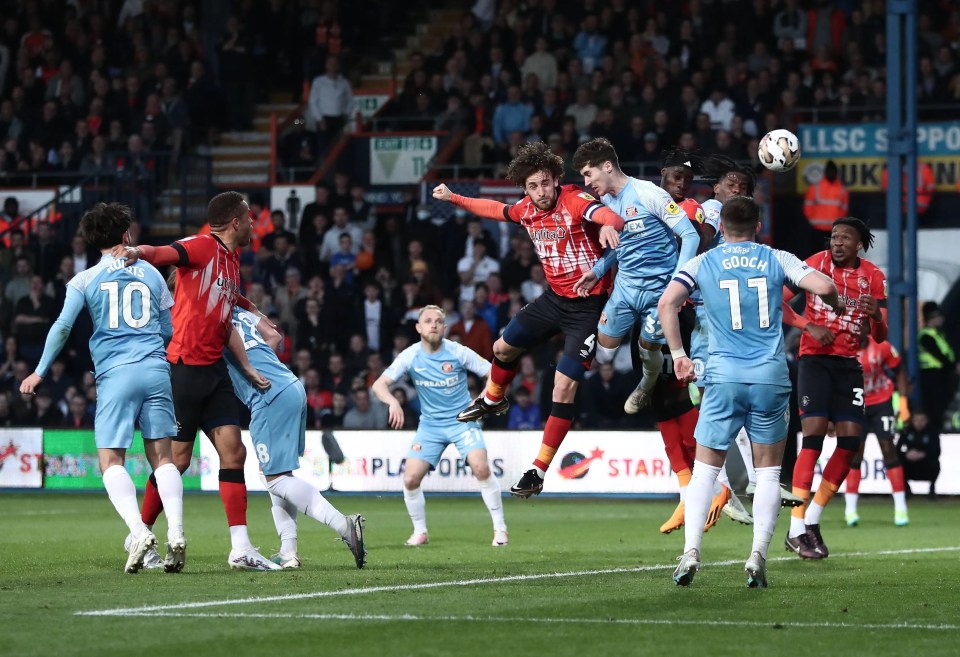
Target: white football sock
x=490, y=492
x=812, y=517
x=123, y=495
x=540, y=471
x=746, y=452
x=851, y=500
x=417, y=508
x=697, y=504
x=683, y=493
x=721, y=479
x=797, y=526
x=170, y=488
x=604, y=354
x=309, y=501
x=239, y=539
x=652, y=365
x=766, y=508
x=285, y=520
x=900, y=501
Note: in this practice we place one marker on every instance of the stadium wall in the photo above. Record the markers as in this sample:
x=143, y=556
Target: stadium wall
x=590, y=462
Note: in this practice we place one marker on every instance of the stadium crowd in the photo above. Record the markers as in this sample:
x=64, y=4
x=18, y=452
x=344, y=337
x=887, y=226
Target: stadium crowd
x=99, y=91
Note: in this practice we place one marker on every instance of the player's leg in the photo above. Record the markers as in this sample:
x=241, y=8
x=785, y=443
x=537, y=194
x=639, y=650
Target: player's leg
x=852, y=495
x=814, y=387
x=677, y=435
x=881, y=421
x=847, y=412
x=651, y=356
x=415, y=470
x=118, y=401
x=157, y=424
x=471, y=445
x=617, y=317
x=766, y=423
x=527, y=328
x=279, y=443
x=721, y=416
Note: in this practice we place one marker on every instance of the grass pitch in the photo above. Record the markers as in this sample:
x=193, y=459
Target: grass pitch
x=580, y=577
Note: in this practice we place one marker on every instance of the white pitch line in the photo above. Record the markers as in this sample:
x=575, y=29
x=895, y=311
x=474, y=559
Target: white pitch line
x=585, y=621
x=458, y=583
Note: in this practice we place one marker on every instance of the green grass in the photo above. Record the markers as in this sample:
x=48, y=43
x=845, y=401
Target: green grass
x=61, y=554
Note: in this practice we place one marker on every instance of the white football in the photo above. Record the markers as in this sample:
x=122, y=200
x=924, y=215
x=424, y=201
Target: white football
x=779, y=150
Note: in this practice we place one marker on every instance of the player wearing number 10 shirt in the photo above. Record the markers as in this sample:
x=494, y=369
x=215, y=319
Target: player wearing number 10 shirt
x=130, y=308
x=830, y=379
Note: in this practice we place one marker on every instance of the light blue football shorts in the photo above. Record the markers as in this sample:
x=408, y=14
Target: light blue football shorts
x=134, y=393
x=278, y=429
x=626, y=306
x=762, y=408
x=432, y=439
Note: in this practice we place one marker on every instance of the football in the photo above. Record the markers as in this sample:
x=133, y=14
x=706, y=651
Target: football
x=779, y=150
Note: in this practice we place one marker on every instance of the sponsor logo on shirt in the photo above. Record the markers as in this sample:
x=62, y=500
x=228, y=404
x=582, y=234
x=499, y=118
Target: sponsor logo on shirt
x=447, y=367
x=586, y=196
x=547, y=235
x=631, y=211
x=863, y=283
x=673, y=208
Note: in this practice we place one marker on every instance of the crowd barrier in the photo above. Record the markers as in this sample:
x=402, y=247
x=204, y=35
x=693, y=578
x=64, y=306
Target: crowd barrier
x=589, y=462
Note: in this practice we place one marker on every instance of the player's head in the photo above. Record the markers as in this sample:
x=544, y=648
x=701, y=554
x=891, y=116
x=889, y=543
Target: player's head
x=679, y=167
x=105, y=225
x=848, y=237
x=431, y=322
x=740, y=217
x=596, y=160
x=729, y=179
x=538, y=170
x=229, y=216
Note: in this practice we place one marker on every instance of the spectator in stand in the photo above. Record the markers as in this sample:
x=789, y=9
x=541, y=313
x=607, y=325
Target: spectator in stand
x=365, y=414
x=330, y=102
x=300, y=149
x=376, y=318
x=919, y=447
x=472, y=331
x=541, y=63
x=33, y=315
x=79, y=416
x=475, y=268
x=19, y=284
x=235, y=75
x=589, y=44
x=331, y=239
x=47, y=251
x=48, y=415
x=485, y=308
x=536, y=285
x=524, y=415
x=604, y=393
x=345, y=257
x=287, y=296
x=273, y=269
x=512, y=115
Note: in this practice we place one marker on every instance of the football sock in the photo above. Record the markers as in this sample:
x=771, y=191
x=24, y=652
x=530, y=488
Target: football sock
x=501, y=374
x=652, y=365
x=152, y=504
x=285, y=520
x=490, y=492
x=123, y=496
x=683, y=477
x=899, y=486
x=797, y=526
x=721, y=481
x=688, y=422
x=836, y=470
x=673, y=445
x=746, y=453
x=803, y=480
x=309, y=501
x=697, y=504
x=852, y=494
x=233, y=494
x=766, y=508
x=554, y=431
x=416, y=508
x=170, y=490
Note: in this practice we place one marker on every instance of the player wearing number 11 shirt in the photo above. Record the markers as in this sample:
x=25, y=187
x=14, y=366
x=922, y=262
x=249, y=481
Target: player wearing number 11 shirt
x=569, y=229
x=830, y=379
x=130, y=307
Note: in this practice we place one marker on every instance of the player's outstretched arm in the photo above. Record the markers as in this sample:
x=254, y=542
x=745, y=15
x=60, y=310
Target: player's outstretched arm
x=155, y=255
x=381, y=388
x=56, y=338
x=669, y=308
x=239, y=353
x=478, y=206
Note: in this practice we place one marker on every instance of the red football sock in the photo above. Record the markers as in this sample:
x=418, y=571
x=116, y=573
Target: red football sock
x=833, y=475
x=688, y=422
x=554, y=431
x=501, y=374
x=233, y=493
x=897, y=481
x=670, y=430
x=853, y=480
x=803, y=478
x=152, y=505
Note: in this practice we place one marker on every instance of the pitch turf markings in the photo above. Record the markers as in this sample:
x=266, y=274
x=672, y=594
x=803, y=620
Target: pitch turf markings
x=152, y=609
x=585, y=621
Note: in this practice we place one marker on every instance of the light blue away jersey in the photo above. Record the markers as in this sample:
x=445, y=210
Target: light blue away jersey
x=742, y=286
x=126, y=305
x=440, y=378
x=262, y=357
x=647, y=253
x=711, y=216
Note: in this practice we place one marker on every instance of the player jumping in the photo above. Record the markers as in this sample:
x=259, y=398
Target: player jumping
x=569, y=229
